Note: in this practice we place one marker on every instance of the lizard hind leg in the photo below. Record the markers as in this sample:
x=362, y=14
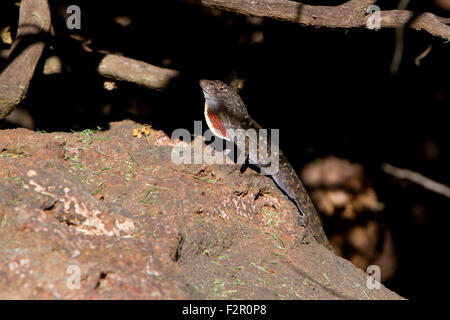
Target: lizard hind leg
x=303, y=221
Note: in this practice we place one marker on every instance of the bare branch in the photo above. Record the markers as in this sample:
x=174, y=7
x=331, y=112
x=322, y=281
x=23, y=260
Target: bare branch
x=399, y=41
x=423, y=55
x=351, y=14
x=142, y=73
x=417, y=178
x=34, y=22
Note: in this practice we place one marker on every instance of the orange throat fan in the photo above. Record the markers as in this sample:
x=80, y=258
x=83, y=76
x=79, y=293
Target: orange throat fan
x=215, y=124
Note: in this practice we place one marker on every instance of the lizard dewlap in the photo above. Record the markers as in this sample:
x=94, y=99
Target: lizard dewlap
x=214, y=124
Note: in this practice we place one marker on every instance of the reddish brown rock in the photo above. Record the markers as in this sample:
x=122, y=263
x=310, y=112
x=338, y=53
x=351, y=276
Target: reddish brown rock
x=117, y=211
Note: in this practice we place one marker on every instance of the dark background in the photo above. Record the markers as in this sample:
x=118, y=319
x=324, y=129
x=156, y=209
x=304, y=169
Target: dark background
x=329, y=91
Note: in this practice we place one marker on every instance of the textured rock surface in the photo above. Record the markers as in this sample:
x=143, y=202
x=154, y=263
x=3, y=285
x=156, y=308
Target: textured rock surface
x=136, y=225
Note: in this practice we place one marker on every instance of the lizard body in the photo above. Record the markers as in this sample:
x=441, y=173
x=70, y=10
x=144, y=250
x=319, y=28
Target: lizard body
x=225, y=112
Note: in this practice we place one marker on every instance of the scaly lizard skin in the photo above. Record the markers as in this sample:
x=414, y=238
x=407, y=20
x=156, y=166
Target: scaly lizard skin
x=225, y=112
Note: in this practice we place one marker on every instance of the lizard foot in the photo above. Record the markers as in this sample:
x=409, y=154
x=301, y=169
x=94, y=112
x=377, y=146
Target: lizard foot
x=303, y=221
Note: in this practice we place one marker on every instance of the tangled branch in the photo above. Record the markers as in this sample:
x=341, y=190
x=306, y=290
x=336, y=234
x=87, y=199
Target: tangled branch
x=351, y=14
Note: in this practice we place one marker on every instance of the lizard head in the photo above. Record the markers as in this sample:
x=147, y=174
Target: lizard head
x=224, y=108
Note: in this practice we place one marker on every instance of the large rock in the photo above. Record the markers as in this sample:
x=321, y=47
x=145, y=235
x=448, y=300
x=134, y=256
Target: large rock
x=116, y=211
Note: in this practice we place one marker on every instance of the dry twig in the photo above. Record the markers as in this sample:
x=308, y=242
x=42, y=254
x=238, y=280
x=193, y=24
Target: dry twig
x=423, y=55
x=417, y=178
x=399, y=41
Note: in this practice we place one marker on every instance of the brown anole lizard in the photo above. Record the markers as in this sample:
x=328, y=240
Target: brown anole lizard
x=225, y=112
